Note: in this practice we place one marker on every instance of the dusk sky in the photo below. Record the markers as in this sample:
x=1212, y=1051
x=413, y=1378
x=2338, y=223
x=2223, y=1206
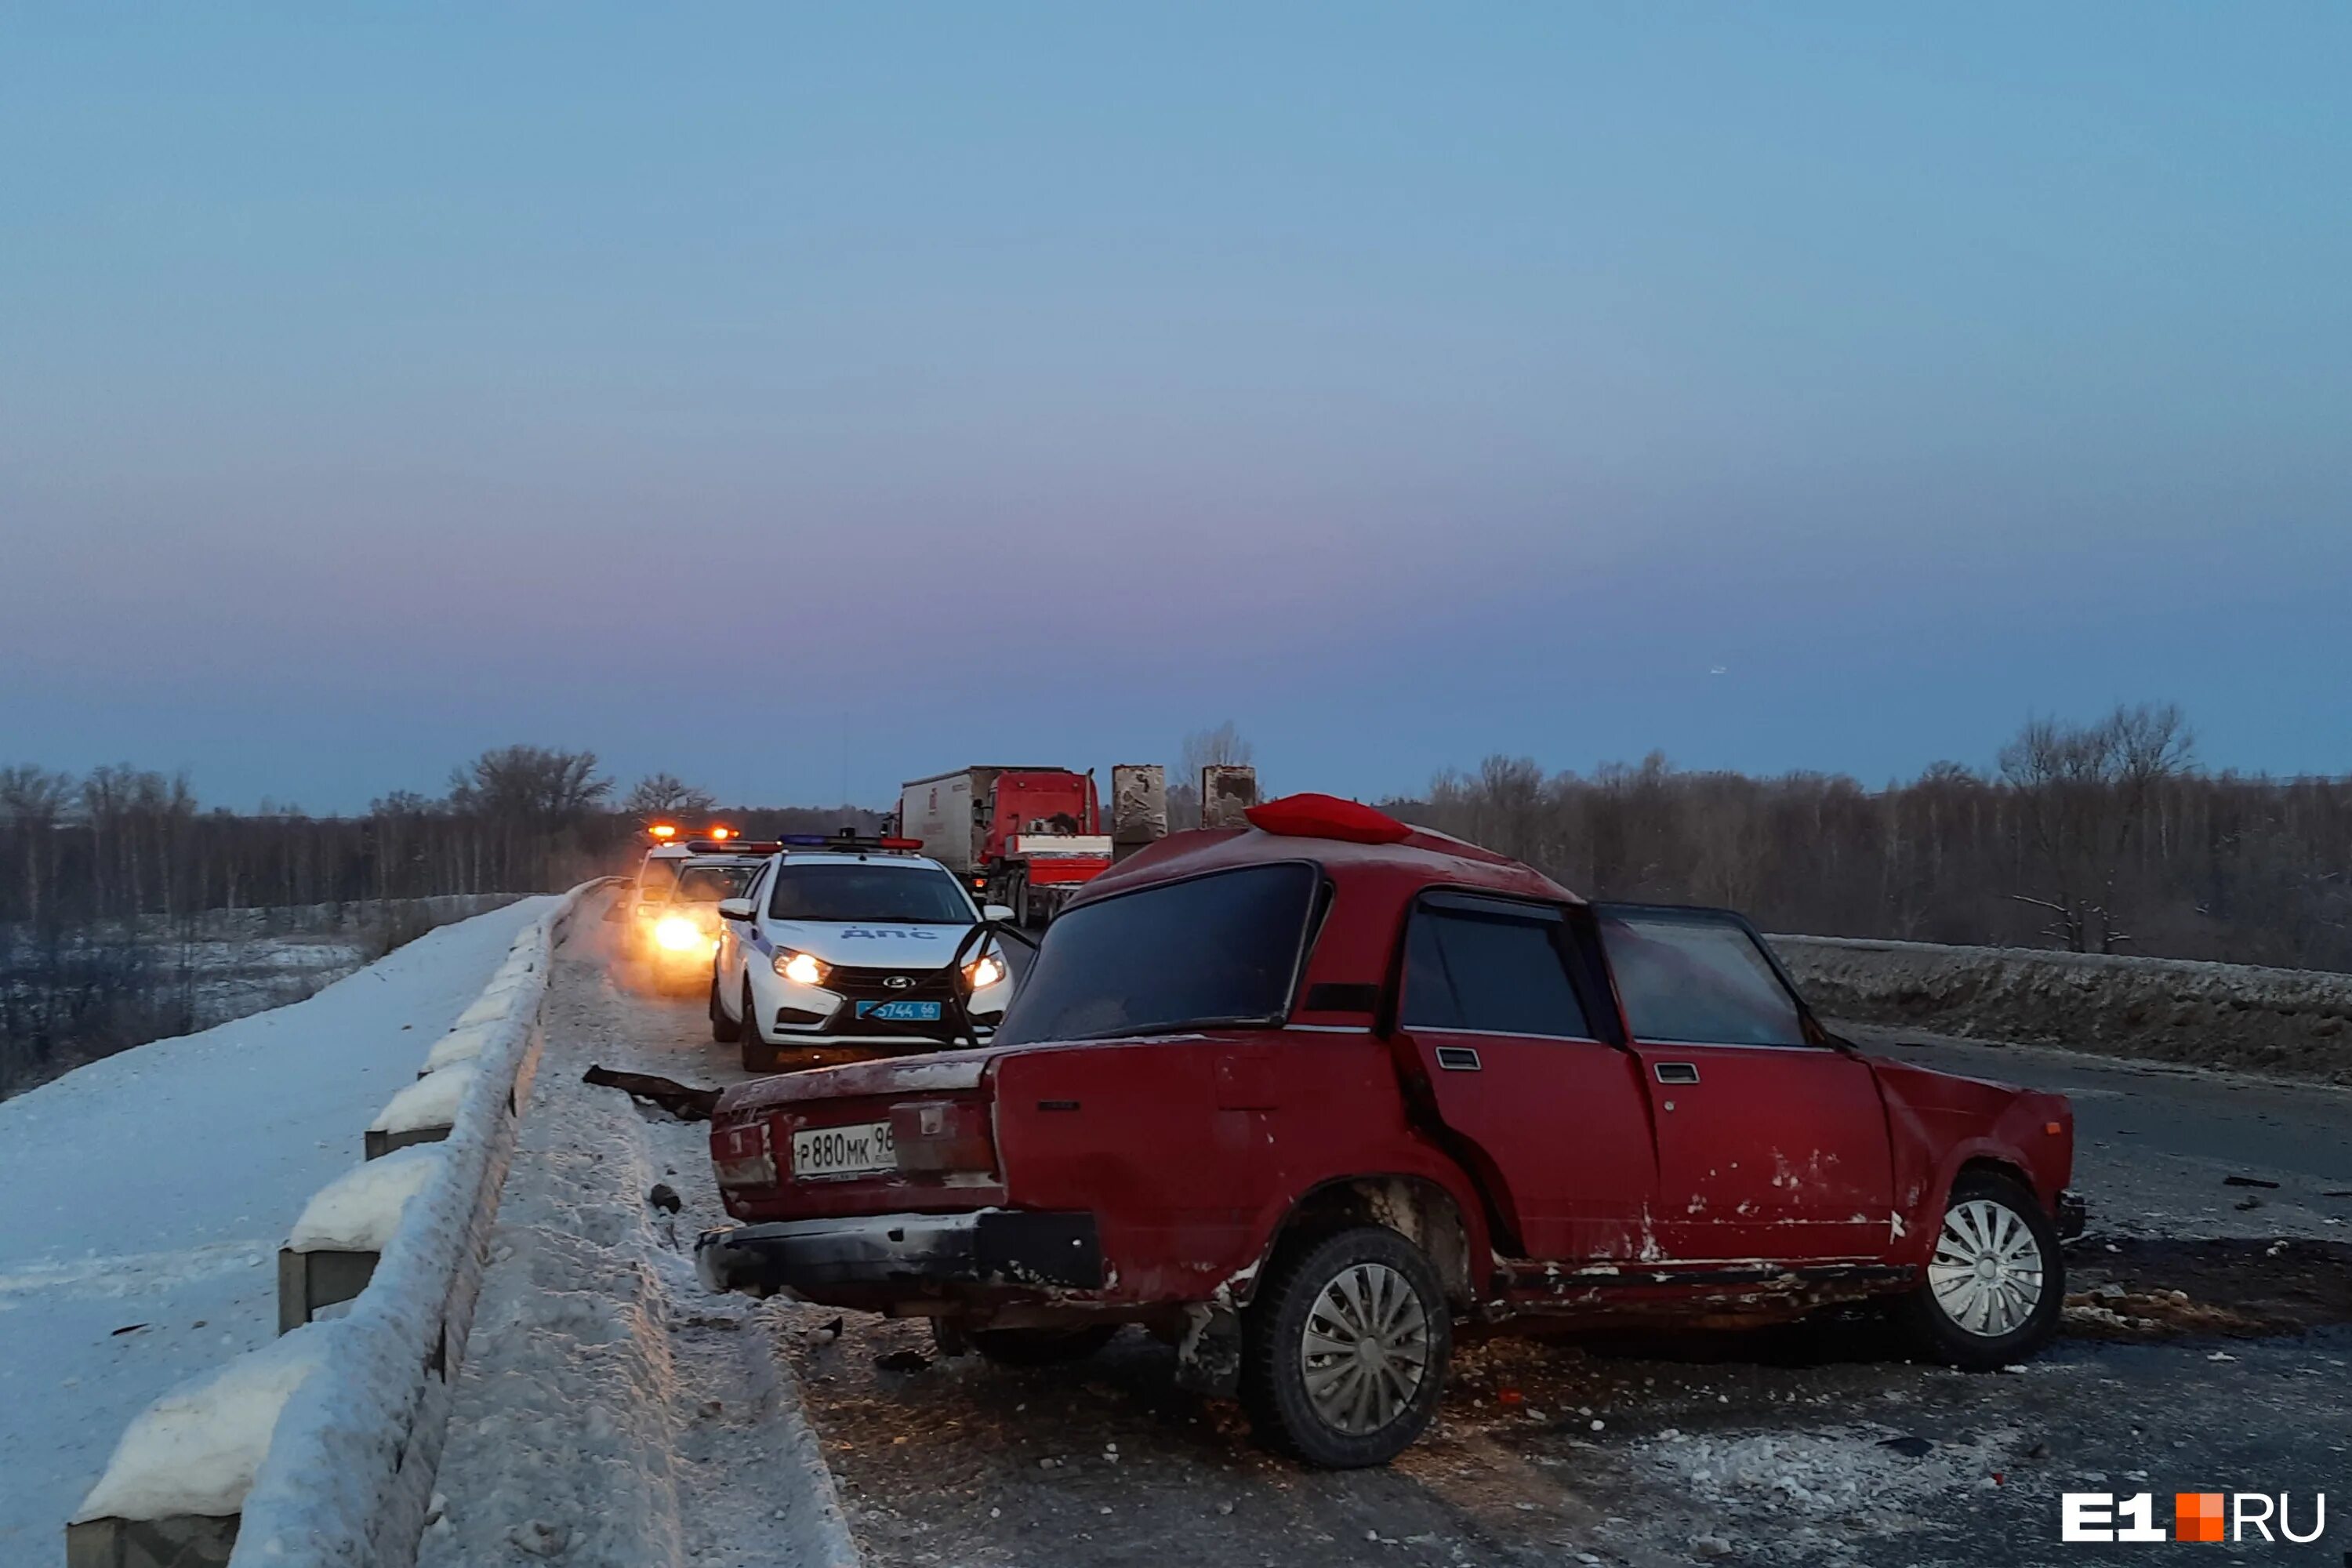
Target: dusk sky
x=791, y=397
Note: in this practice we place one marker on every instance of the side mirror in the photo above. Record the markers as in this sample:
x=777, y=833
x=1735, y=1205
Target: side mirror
x=737, y=910
x=996, y=911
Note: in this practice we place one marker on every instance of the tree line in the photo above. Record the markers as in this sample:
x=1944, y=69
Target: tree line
x=2101, y=836
x=106, y=878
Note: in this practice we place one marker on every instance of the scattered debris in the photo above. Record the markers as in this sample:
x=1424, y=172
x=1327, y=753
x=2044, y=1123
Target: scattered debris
x=665, y=1198
x=683, y=1101
x=131, y=1329
x=2248, y=1182
x=539, y=1537
x=1909, y=1447
x=902, y=1361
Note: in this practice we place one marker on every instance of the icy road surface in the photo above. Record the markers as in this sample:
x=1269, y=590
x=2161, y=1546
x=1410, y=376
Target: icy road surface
x=621, y=1412
x=147, y=1194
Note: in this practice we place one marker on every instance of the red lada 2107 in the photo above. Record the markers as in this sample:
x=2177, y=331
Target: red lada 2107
x=1303, y=1097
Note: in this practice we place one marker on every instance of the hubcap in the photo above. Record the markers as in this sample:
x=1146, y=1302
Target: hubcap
x=1987, y=1271
x=1365, y=1348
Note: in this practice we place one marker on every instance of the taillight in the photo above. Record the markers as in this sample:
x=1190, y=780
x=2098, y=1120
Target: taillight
x=743, y=1156
x=942, y=1135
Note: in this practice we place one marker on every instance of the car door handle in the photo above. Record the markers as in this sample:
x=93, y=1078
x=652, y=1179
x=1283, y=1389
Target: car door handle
x=1458, y=1058
x=1677, y=1072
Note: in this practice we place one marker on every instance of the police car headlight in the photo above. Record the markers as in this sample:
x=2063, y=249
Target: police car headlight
x=678, y=933
x=801, y=968
x=983, y=971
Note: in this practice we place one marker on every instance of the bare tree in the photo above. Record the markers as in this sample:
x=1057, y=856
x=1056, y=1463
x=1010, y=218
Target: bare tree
x=2083, y=794
x=666, y=795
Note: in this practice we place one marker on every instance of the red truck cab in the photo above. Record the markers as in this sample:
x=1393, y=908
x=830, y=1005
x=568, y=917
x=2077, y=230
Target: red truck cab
x=1302, y=1095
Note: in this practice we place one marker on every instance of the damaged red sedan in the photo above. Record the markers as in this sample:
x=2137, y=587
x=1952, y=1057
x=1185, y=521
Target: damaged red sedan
x=1305, y=1097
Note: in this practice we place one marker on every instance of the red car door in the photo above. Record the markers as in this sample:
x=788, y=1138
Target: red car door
x=1552, y=1119
x=1772, y=1142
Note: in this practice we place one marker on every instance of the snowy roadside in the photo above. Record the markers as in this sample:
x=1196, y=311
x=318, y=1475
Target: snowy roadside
x=610, y=1413
x=150, y=1191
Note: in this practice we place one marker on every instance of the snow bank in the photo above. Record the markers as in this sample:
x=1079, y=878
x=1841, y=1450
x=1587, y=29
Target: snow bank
x=495, y=1003
x=2292, y=1021
x=461, y=1045
x=350, y=1470
x=360, y=1210
x=431, y=1102
x=196, y=1449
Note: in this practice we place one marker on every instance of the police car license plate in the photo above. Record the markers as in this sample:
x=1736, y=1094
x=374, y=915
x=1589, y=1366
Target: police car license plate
x=844, y=1151
x=900, y=1012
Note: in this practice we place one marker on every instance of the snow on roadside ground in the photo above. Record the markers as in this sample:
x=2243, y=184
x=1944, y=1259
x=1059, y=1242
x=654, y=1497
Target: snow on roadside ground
x=148, y=1193
x=610, y=1413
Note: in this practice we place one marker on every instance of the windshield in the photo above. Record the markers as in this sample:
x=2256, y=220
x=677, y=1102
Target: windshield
x=1221, y=949
x=654, y=878
x=869, y=893
x=709, y=884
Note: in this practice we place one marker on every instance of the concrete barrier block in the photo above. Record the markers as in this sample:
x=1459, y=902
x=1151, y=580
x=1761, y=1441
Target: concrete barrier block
x=191, y=1541
x=308, y=1281
x=377, y=1144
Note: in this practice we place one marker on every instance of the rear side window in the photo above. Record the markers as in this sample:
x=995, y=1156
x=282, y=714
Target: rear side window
x=1219, y=949
x=1489, y=970
x=1697, y=978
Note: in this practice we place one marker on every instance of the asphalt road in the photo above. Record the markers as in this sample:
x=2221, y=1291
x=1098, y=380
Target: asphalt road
x=1812, y=1445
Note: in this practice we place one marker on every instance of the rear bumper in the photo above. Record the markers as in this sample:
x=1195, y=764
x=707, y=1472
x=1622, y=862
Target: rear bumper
x=2072, y=1214
x=988, y=1246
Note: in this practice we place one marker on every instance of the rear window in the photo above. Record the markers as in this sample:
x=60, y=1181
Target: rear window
x=1219, y=949
x=868, y=894
x=709, y=884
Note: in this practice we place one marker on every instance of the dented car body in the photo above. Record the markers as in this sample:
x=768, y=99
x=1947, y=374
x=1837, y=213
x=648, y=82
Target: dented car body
x=1304, y=1096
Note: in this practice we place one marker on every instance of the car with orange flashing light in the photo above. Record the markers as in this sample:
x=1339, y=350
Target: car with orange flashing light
x=1305, y=1097
x=674, y=923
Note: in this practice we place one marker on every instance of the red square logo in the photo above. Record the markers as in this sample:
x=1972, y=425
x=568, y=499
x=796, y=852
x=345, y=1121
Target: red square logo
x=2197, y=1516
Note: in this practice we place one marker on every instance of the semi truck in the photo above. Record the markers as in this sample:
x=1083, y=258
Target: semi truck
x=1024, y=837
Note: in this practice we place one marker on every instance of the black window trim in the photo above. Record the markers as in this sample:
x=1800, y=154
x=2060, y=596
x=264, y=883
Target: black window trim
x=1602, y=1016
x=1817, y=1036
x=1309, y=931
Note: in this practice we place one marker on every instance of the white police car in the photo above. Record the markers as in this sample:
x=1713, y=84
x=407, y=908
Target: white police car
x=843, y=949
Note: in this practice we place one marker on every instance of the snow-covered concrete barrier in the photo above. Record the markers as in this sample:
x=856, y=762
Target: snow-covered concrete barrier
x=426, y=1111
x=331, y=1253
x=342, y=1469
x=172, y=1494
x=2295, y=1022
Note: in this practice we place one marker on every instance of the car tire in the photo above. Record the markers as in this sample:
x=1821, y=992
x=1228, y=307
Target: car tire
x=758, y=1055
x=1041, y=1347
x=1995, y=1280
x=1367, y=1285
x=723, y=1029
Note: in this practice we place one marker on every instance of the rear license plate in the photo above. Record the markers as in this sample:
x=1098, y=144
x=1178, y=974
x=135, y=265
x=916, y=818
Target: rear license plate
x=857, y=1151
x=900, y=1012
